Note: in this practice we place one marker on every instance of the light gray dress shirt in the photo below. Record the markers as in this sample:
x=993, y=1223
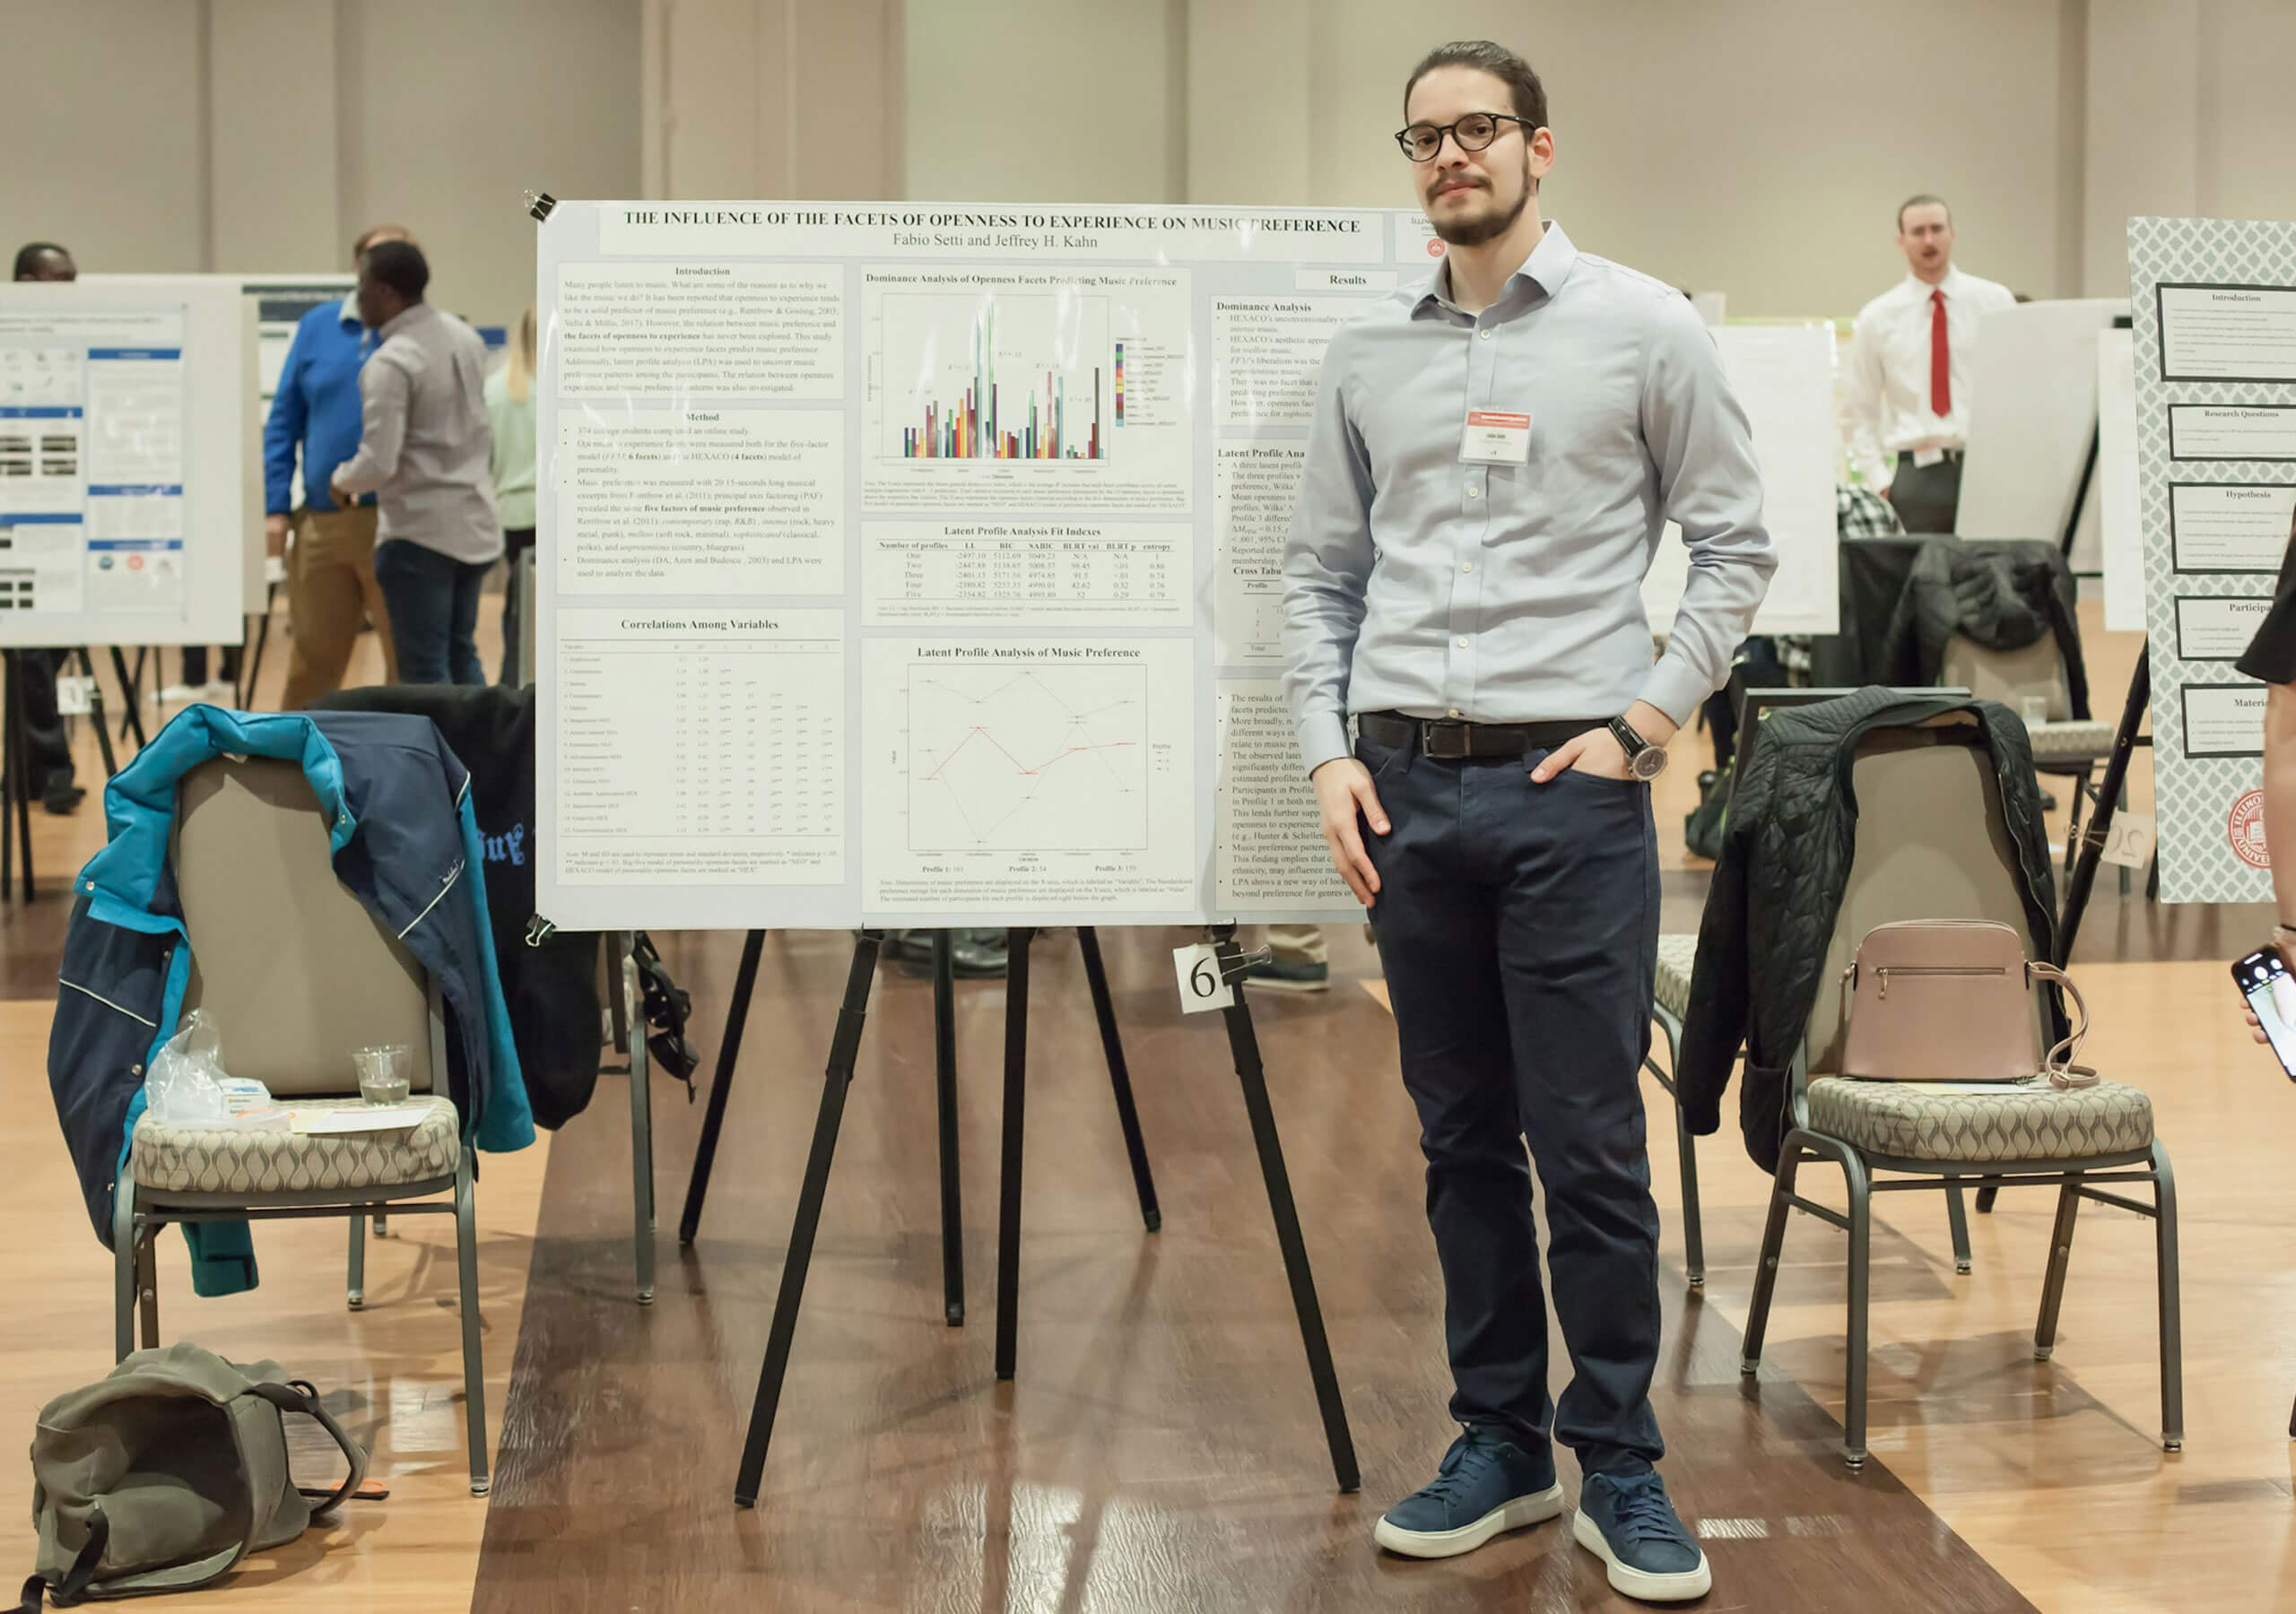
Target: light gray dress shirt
x=1414, y=582
x=425, y=448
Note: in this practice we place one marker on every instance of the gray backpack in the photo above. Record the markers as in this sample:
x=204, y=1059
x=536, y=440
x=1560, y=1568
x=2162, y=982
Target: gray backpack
x=164, y=1475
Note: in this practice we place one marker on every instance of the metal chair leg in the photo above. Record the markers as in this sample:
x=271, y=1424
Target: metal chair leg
x=2173, y=1346
x=1861, y=1262
x=2060, y=1259
x=641, y=1129
x=123, y=1268
x=1693, y=1231
x=1957, y=1218
x=1773, y=1242
x=473, y=1356
x=147, y=1284
x=357, y=1284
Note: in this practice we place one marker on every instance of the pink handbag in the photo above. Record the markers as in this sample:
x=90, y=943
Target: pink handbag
x=1951, y=999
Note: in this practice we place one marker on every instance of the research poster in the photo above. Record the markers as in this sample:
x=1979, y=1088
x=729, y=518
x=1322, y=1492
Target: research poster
x=123, y=473
x=920, y=564
x=2213, y=303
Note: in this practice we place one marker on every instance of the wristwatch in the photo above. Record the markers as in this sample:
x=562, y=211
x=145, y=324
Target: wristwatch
x=1644, y=761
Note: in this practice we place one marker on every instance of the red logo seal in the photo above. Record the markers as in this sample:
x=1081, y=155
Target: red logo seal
x=2245, y=830
x=1435, y=246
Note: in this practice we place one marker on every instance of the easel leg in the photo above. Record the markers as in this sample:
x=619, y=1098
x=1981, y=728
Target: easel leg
x=251, y=665
x=131, y=721
x=19, y=761
x=944, y=1081
x=1245, y=1044
x=12, y=780
x=713, y=1118
x=1120, y=1078
x=843, y=1048
x=1008, y=1193
x=97, y=717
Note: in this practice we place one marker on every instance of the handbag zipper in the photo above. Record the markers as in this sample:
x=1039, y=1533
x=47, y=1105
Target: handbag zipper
x=1887, y=970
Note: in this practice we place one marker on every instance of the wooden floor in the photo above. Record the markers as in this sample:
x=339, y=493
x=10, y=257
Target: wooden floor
x=1159, y=1450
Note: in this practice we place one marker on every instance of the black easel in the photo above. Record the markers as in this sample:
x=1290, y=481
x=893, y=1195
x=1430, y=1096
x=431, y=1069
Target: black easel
x=131, y=690
x=15, y=781
x=251, y=663
x=838, y=1078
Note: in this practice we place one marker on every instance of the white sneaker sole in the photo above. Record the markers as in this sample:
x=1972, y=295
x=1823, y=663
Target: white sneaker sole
x=1640, y=1582
x=1537, y=1509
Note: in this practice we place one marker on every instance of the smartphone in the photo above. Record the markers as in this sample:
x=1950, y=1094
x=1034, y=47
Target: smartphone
x=2254, y=975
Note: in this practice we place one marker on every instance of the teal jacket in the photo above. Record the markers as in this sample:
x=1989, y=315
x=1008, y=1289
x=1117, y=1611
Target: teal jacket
x=404, y=842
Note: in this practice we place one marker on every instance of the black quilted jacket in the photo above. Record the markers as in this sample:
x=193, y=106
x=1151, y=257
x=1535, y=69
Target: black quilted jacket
x=1777, y=886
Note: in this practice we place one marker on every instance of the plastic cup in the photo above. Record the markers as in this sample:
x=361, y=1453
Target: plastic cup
x=385, y=1072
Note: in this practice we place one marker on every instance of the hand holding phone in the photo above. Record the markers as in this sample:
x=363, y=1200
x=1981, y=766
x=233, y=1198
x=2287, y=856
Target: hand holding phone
x=2263, y=980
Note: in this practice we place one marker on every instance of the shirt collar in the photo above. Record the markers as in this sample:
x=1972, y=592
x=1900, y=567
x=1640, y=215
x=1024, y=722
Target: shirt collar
x=348, y=314
x=1548, y=266
x=399, y=321
x=1954, y=284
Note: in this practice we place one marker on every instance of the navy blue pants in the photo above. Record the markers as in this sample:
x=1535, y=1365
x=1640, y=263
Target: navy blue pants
x=1518, y=926
x=432, y=600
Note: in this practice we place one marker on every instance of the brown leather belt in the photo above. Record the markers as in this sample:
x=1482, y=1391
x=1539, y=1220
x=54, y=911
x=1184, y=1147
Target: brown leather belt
x=1452, y=739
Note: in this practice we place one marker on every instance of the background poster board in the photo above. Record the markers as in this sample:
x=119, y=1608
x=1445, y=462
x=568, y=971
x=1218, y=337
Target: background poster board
x=279, y=302
x=2119, y=526
x=1784, y=377
x=126, y=422
x=2214, y=307
x=919, y=563
x=2032, y=416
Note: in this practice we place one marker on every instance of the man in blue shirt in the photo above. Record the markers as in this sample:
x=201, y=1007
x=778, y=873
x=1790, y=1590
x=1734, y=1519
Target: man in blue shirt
x=331, y=584
x=1494, y=455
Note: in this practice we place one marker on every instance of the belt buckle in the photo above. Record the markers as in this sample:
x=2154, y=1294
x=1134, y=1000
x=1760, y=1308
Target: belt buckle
x=1445, y=739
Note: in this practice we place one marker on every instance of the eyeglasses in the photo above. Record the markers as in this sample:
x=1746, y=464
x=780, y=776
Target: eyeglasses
x=1474, y=133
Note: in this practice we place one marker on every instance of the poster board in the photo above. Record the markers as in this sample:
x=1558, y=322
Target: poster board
x=2120, y=533
x=2032, y=416
x=1784, y=378
x=2214, y=309
x=279, y=302
x=920, y=564
x=127, y=431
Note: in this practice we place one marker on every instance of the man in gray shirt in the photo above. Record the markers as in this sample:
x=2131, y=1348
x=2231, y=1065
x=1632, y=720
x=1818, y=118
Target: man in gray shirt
x=424, y=451
x=1494, y=457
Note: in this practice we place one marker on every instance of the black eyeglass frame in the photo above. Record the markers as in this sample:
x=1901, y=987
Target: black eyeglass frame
x=1402, y=135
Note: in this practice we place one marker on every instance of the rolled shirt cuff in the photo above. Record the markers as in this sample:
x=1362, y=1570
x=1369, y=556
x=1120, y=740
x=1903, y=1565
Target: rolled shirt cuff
x=1675, y=688
x=1323, y=735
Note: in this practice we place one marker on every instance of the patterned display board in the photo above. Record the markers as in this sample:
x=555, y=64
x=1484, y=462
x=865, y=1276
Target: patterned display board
x=2213, y=303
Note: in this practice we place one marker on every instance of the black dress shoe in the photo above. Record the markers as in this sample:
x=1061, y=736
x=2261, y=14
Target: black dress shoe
x=63, y=803
x=974, y=955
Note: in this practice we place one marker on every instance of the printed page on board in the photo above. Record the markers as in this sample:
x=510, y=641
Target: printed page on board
x=2214, y=306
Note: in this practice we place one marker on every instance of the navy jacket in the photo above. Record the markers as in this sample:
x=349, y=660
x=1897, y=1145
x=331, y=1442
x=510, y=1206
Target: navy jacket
x=406, y=844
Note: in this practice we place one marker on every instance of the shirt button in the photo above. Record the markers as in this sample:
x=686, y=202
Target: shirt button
x=1466, y=565
x=1462, y=641
x=1473, y=491
x=1484, y=334
x=1455, y=712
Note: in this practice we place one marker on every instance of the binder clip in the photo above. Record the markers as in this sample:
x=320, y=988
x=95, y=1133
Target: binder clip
x=1245, y=963
x=540, y=204
x=539, y=930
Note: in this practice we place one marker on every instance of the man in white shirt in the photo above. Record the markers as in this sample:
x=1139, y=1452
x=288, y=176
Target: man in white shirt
x=1909, y=365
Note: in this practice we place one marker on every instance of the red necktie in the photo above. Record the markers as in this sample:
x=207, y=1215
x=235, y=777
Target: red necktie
x=1941, y=359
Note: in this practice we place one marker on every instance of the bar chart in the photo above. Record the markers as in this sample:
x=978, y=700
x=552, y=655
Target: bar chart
x=1003, y=375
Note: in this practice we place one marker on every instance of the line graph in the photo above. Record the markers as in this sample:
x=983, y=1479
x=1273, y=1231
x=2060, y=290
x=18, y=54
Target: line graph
x=1027, y=758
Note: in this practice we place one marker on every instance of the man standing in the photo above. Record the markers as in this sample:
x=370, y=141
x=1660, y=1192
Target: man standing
x=1494, y=459
x=331, y=577
x=49, y=773
x=1908, y=372
x=425, y=447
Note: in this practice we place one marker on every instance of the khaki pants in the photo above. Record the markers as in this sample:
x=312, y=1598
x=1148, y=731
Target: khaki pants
x=330, y=589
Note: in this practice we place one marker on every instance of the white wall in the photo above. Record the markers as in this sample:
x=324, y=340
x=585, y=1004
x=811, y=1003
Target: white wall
x=176, y=136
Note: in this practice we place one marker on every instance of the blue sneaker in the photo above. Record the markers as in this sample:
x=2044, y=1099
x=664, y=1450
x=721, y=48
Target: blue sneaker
x=1487, y=1485
x=1627, y=1522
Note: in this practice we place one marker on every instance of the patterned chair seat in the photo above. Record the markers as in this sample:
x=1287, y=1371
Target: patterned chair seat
x=1677, y=953
x=200, y=1160
x=1921, y=1120
x=2055, y=741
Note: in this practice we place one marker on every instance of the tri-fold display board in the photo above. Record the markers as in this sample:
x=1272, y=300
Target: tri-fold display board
x=920, y=564
x=127, y=443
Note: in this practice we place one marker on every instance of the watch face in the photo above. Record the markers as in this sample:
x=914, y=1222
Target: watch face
x=1647, y=763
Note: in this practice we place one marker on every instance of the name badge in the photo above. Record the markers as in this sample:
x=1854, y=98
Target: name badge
x=1495, y=437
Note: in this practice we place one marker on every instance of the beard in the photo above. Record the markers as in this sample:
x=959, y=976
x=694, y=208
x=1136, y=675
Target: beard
x=1490, y=227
